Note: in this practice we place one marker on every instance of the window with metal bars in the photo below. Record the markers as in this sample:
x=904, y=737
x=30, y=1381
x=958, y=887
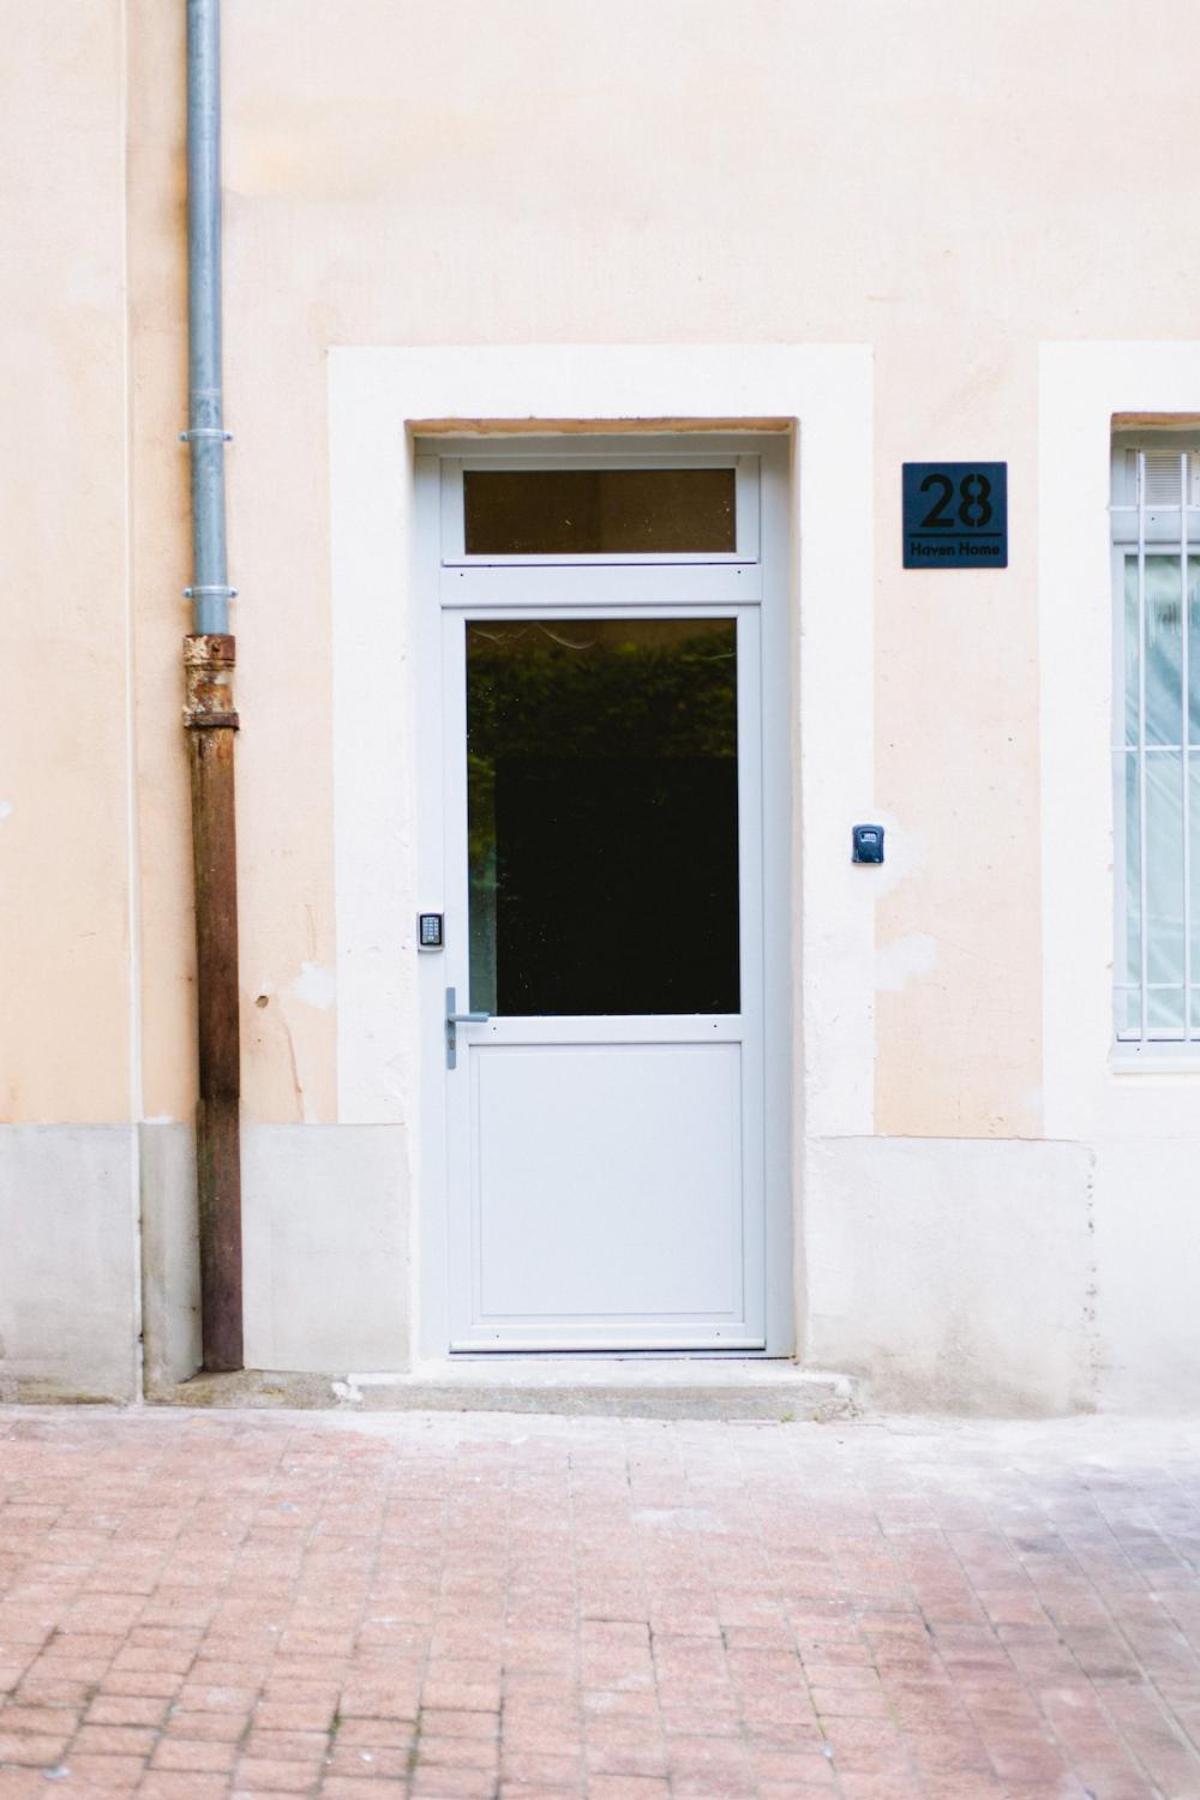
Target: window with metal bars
x=1156, y=741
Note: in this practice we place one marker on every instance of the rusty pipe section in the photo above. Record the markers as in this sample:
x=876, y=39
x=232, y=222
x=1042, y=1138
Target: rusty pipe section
x=211, y=722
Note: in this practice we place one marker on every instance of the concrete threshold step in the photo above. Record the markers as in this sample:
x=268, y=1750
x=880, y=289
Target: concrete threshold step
x=642, y=1387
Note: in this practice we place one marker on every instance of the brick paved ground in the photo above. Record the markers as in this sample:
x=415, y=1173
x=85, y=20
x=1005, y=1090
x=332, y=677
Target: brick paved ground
x=195, y=1604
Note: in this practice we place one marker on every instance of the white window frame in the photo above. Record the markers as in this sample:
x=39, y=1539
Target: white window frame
x=593, y=454
x=1140, y=527
x=1089, y=1091
x=704, y=577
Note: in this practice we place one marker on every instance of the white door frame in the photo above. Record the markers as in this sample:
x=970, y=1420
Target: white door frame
x=380, y=398
x=753, y=584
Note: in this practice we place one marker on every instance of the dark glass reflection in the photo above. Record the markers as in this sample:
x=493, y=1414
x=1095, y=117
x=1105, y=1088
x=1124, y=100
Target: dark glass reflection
x=602, y=816
x=597, y=512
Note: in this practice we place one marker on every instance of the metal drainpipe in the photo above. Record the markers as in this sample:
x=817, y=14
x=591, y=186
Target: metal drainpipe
x=210, y=719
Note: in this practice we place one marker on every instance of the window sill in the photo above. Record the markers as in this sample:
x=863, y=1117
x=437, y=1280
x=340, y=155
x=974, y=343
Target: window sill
x=1126, y=1062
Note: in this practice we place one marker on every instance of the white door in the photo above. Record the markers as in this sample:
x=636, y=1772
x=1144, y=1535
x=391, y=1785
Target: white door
x=603, y=846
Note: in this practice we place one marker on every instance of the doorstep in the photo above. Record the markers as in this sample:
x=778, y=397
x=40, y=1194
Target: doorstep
x=641, y=1387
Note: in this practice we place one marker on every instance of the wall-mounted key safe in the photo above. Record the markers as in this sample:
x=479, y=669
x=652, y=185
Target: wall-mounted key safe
x=430, y=933
x=868, y=843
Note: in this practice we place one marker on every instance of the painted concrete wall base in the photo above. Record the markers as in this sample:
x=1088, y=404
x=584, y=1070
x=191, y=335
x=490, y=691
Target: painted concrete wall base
x=170, y=1254
x=1148, y=1274
x=325, y=1240
x=68, y=1279
x=954, y=1274
x=962, y=1275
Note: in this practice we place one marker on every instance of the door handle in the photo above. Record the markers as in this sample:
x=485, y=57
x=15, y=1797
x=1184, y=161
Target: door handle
x=453, y=1020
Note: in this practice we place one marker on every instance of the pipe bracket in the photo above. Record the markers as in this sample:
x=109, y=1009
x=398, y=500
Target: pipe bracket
x=211, y=721
x=208, y=663
x=205, y=431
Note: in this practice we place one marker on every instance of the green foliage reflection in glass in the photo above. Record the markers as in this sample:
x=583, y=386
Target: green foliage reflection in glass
x=602, y=816
x=597, y=512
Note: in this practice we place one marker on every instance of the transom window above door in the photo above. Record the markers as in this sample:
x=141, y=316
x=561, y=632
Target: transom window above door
x=606, y=507
x=599, y=512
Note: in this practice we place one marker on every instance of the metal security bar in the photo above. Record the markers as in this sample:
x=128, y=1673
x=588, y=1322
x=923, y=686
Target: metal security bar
x=1156, y=745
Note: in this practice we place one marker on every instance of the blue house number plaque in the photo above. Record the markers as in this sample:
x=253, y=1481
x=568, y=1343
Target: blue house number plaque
x=956, y=515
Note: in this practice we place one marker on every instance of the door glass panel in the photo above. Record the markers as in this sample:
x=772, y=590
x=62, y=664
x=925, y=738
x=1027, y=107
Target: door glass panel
x=602, y=816
x=598, y=512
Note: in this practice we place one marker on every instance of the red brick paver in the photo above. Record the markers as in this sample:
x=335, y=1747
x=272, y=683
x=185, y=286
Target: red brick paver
x=205, y=1604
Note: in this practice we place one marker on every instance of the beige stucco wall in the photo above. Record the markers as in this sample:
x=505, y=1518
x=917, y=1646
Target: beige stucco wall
x=64, y=789
x=618, y=171
x=68, y=1063
x=949, y=184
x=531, y=172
